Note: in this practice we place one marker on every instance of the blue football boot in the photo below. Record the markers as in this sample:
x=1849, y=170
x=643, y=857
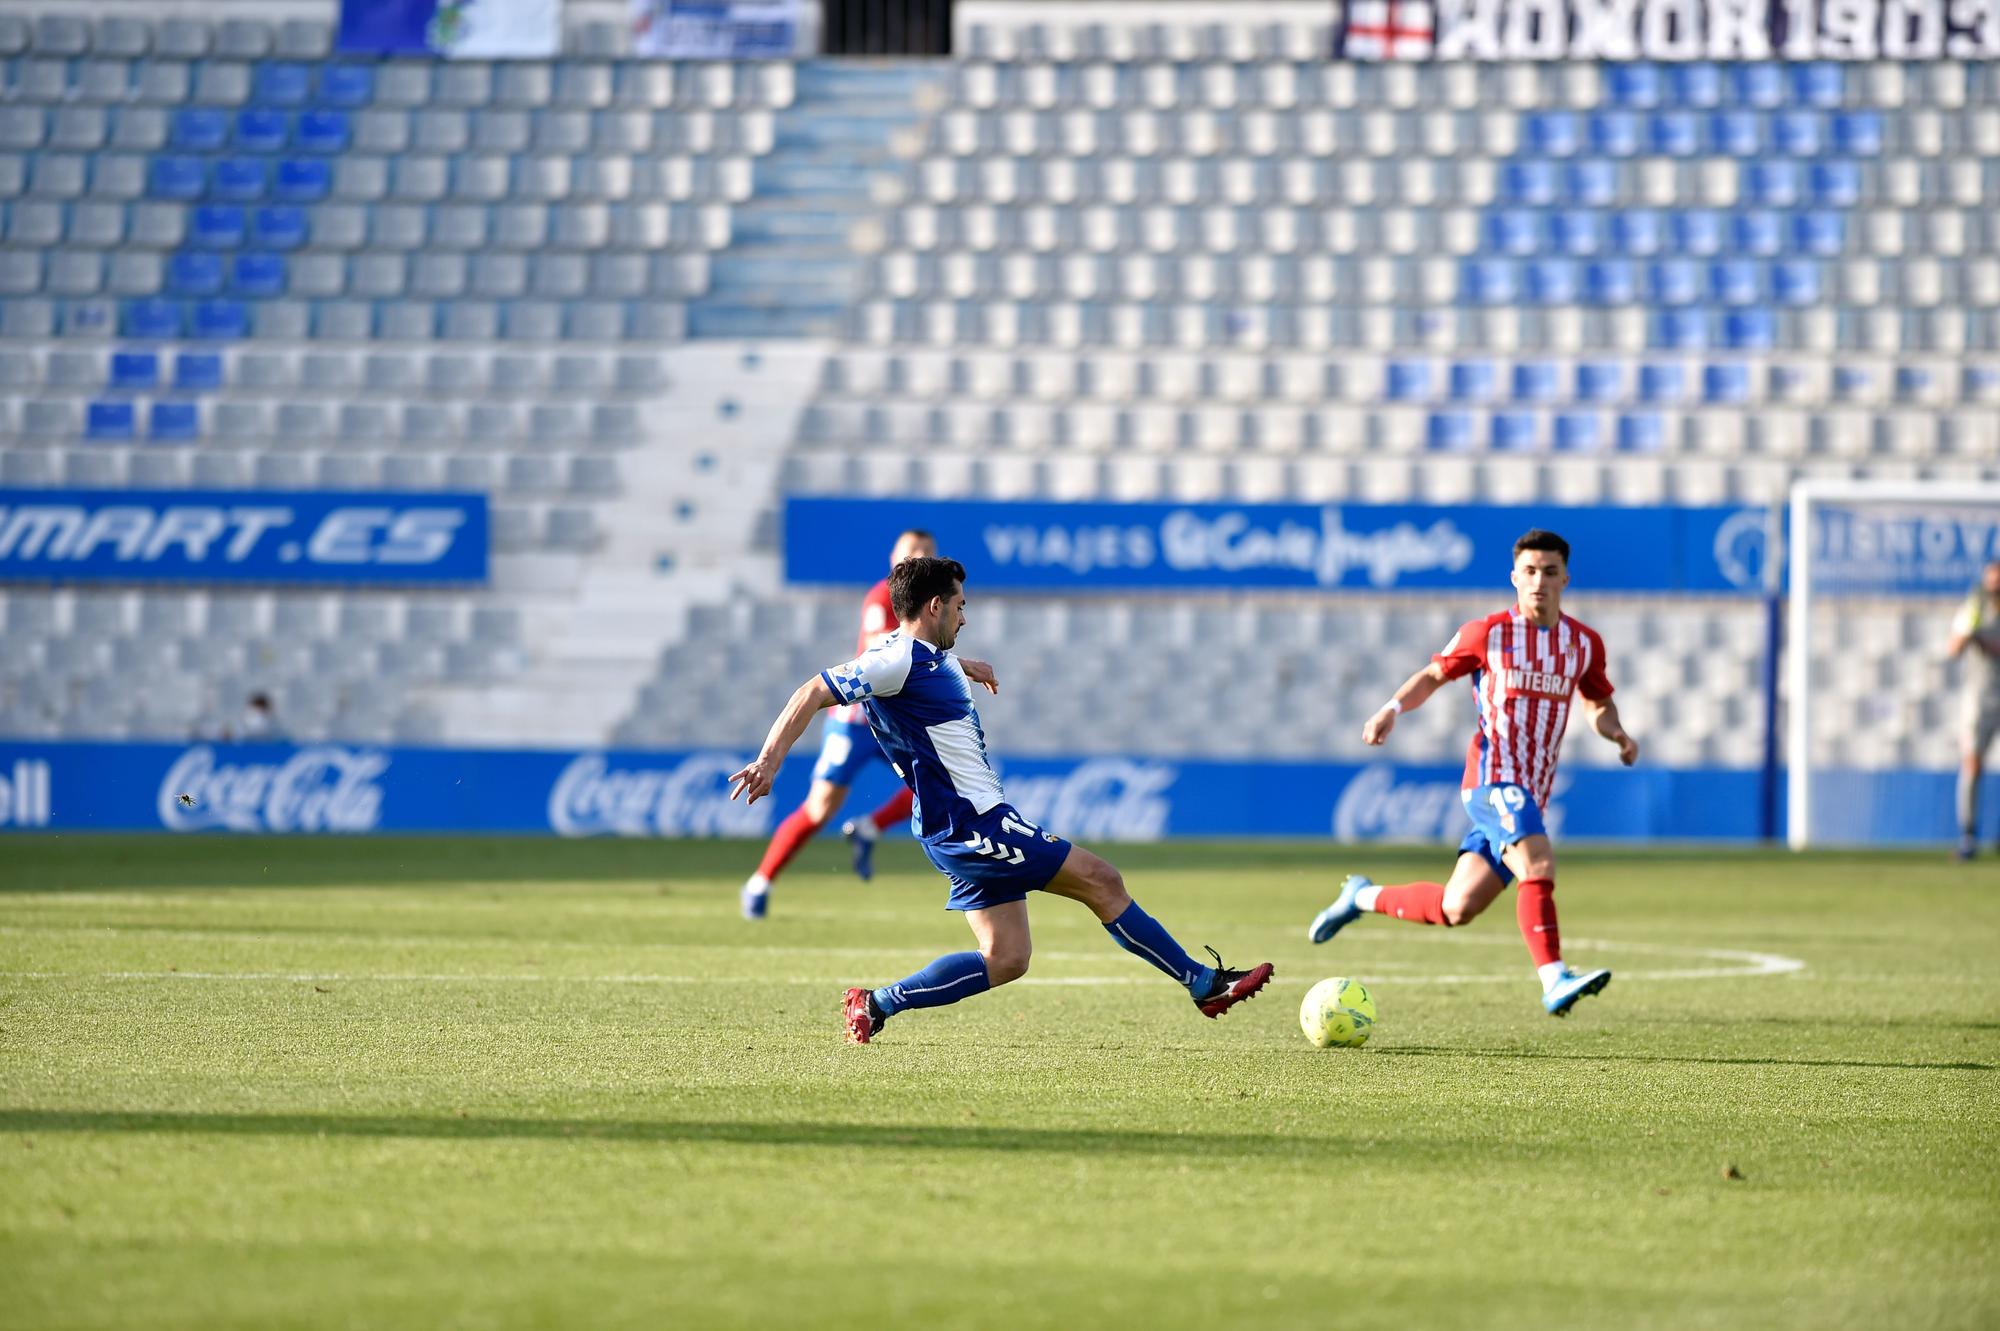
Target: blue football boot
x=1561, y=996
x=1341, y=913
x=755, y=900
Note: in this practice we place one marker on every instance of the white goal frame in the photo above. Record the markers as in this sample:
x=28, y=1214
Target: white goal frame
x=1803, y=496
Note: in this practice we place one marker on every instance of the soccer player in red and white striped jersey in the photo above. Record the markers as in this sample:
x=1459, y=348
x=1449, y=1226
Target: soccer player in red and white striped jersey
x=1526, y=664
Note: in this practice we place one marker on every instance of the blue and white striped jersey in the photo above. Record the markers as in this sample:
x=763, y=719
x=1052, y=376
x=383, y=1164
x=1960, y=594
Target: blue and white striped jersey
x=919, y=705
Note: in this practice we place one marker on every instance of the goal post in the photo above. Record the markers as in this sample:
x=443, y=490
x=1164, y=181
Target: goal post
x=1877, y=571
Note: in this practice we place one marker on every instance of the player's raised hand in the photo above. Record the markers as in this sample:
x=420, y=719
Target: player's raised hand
x=1628, y=749
x=980, y=673
x=1378, y=726
x=753, y=781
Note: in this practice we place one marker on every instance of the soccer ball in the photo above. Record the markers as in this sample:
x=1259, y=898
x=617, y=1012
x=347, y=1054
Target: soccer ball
x=1337, y=1013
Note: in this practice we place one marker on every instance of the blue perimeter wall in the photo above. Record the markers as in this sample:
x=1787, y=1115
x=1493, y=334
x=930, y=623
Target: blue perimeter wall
x=358, y=789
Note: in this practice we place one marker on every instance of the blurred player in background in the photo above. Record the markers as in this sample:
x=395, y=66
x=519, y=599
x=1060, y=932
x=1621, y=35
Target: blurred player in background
x=1525, y=664
x=1977, y=627
x=847, y=750
x=918, y=698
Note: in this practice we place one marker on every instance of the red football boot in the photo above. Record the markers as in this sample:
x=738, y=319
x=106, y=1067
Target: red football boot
x=1232, y=987
x=862, y=1023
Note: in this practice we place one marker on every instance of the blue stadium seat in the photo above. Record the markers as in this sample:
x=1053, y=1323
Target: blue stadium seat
x=1795, y=282
x=1696, y=231
x=1610, y=282
x=1695, y=84
x=279, y=228
x=1578, y=432
x=109, y=422
x=216, y=227
x=1515, y=431
x=1488, y=282
x=1749, y=330
x=1734, y=281
x=197, y=371
x=221, y=319
x=1858, y=133
x=259, y=275
x=283, y=84
x=1552, y=282
x=152, y=320
x=1676, y=134
x=239, y=179
x=1851, y=382
x=1537, y=381
x=1554, y=134
x=1408, y=381
x=1660, y=383
x=1735, y=134
x=1820, y=233
x=1819, y=83
x=346, y=85
x=1760, y=233
x=1614, y=133
x=1636, y=84
x=1680, y=330
x=1577, y=232
x=194, y=274
x=303, y=180
x=132, y=370
x=1530, y=184
x=1760, y=84
x=1912, y=382
x=1593, y=183
x=260, y=131
x=1512, y=231
x=173, y=422
x=1449, y=431
x=1599, y=381
x=1671, y=282
x=199, y=129
x=1725, y=383
x=1796, y=133
x=1641, y=433
x=1474, y=381
x=1835, y=184
x=1637, y=233
x=176, y=178
x=323, y=132
x=1772, y=183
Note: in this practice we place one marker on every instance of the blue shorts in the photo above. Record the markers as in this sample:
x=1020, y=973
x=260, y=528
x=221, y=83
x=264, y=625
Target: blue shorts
x=846, y=752
x=997, y=857
x=1501, y=815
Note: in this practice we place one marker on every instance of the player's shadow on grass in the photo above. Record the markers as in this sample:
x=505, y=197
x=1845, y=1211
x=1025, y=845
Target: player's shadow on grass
x=1420, y=1051
x=967, y=1137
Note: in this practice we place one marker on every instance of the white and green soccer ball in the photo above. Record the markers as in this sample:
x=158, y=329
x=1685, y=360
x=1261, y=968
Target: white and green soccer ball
x=1337, y=1014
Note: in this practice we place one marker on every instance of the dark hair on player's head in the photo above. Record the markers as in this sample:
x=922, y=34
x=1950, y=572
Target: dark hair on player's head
x=918, y=579
x=1536, y=539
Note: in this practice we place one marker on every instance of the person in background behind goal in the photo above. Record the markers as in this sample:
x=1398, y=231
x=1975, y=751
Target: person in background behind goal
x=1526, y=662
x=1977, y=627
x=846, y=750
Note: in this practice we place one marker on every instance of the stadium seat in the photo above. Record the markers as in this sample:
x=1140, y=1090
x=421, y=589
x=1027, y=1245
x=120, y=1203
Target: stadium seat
x=217, y=227
x=1578, y=432
x=219, y=319
x=1516, y=431
x=283, y=84
x=173, y=422
x=134, y=370
x=260, y=131
x=239, y=179
x=1536, y=381
x=258, y=275
x=194, y=274
x=109, y=422
x=197, y=371
x=1662, y=383
x=1600, y=381
x=152, y=320
x=347, y=86
x=1449, y=431
x=1615, y=134
x=199, y=129
x=303, y=180
x=1725, y=383
x=177, y=178
x=1610, y=282
x=278, y=228
x=1641, y=433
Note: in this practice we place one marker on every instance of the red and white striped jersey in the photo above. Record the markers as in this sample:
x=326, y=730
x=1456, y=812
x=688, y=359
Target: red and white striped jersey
x=878, y=621
x=1522, y=679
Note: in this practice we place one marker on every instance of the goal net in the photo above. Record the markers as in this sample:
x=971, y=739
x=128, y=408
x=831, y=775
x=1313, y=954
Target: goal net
x=1881, y=575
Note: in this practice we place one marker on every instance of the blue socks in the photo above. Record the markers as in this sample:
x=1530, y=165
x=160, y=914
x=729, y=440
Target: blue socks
x=1146, y=938
x=951, y=977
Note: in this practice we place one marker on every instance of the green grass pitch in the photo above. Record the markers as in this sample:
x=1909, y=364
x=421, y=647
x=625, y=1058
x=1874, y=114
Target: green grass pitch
x=439, y=1084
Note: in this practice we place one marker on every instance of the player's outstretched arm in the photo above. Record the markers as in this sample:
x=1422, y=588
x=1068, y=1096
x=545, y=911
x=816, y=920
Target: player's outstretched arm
x=755, y=780
x=1604, y=720
x=1416, y=691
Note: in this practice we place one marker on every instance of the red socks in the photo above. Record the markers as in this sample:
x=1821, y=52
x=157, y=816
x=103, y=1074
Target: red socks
x=1422, y=902
x=1535, y=908
x=896, y=809
x=795, y=831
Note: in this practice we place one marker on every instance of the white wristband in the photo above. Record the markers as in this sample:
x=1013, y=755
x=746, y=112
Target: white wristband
x=1393, y=705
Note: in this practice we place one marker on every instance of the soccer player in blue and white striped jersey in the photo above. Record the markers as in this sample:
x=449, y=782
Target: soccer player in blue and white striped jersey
x=918, y=699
